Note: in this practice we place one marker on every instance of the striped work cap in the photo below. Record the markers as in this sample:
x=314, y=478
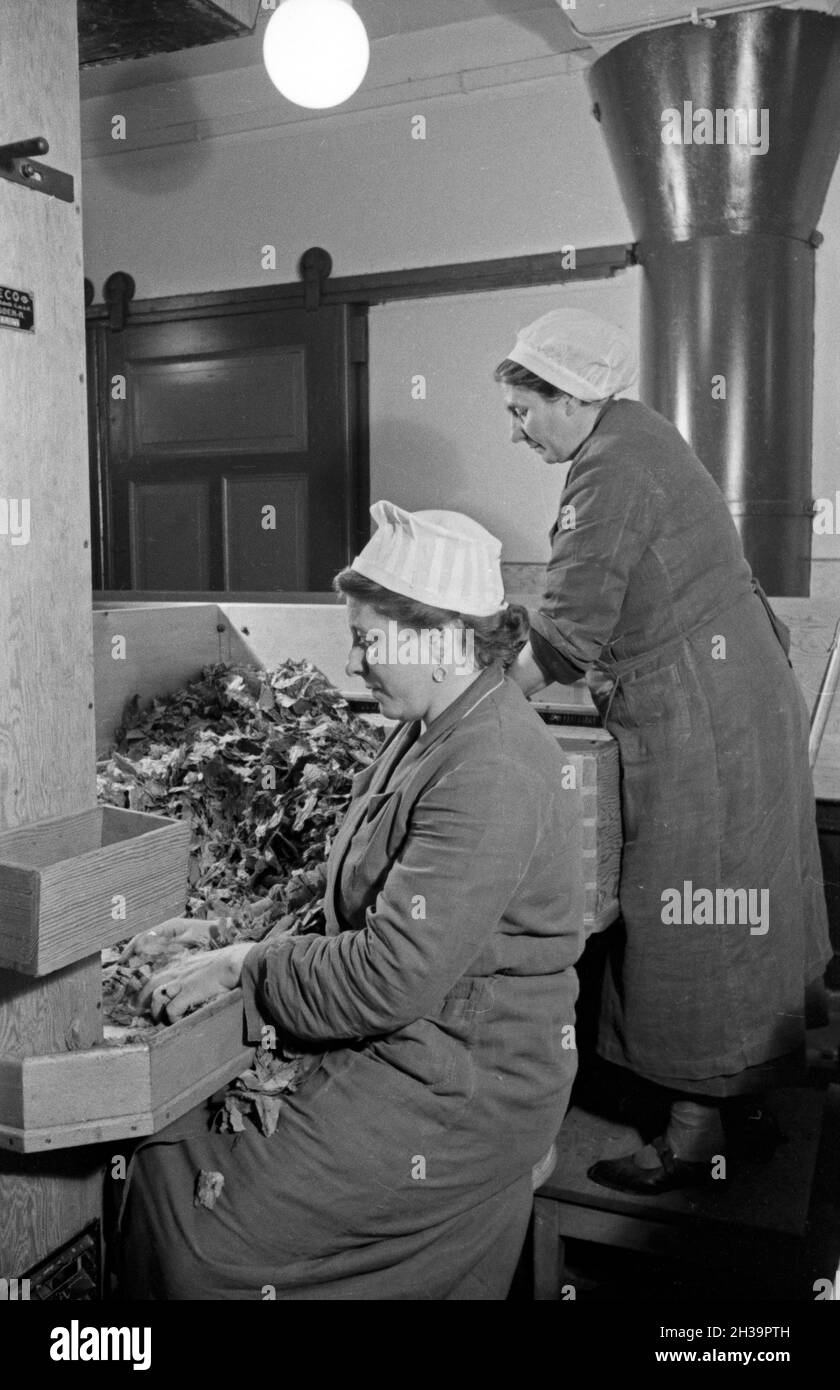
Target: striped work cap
x=444, y=559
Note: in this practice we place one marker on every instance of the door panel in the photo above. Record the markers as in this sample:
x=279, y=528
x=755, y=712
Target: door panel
x=229, y=459
x=264, y=523
x=196, y=405
x=169, y=535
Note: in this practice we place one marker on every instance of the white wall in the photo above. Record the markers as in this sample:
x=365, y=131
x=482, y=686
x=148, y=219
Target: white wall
x=453, y=448
x=508, y=172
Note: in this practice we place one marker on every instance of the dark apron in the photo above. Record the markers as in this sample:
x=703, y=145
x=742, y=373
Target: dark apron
x=716, y=794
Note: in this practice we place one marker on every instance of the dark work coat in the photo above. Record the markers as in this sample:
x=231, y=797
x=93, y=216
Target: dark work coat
x=444, y=992
x=648, y=591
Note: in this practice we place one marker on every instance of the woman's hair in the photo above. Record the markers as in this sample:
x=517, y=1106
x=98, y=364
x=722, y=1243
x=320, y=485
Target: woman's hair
x=497, y=638
x=512, y=374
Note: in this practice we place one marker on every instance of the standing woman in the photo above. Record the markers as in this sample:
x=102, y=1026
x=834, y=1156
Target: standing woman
x=649, y=596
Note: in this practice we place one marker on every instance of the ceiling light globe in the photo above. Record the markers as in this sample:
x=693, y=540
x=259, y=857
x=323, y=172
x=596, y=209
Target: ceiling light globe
x=316, y=52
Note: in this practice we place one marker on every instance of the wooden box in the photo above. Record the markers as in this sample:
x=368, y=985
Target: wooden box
x=108, y=1093
x=61, y=882
x=594, y=771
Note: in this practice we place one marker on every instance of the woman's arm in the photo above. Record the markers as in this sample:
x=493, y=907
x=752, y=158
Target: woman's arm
x=591, y=562
x=471, y=840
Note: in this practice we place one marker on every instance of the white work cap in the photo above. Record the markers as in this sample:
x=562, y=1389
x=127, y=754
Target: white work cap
x=443, y=559
x=578, y=353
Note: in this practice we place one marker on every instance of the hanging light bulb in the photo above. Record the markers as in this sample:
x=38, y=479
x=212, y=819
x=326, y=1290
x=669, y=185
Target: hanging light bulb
x=316, y=51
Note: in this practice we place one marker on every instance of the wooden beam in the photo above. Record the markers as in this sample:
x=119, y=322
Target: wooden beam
x=424, y=282
x=508, y=272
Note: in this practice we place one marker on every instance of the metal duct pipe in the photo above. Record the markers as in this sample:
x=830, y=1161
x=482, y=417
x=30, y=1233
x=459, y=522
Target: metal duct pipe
x=724, y=141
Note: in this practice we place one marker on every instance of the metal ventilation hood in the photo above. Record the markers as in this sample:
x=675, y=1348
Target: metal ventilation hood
x=113, y=30
x=604, y=23
x=726, y=235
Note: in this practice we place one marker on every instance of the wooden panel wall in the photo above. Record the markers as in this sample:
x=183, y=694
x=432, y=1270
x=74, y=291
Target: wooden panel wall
x=46, y=671
x=150, y=651
x=160, y=516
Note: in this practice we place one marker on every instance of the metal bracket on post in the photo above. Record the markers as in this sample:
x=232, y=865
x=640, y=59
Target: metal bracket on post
x=315, y=267
x=118, y=293
x=17, y=167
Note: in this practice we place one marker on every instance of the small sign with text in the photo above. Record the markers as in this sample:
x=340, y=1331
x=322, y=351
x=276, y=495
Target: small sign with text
x=17, y=309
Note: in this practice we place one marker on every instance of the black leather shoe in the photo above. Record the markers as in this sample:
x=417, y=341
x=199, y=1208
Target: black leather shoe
x=626, y=1175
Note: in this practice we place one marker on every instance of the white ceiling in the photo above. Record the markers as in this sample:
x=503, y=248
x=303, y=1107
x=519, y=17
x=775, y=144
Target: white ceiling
x=384, y=19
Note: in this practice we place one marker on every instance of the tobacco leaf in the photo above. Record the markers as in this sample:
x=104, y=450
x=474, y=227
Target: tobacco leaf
x=208, y=1188
x=268, y=1111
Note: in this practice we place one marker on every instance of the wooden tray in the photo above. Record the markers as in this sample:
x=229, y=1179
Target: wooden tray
x=594, y=756
x=59, y=878
x=122, y=1092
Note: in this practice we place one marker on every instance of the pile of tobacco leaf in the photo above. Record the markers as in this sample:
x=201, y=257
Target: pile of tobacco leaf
x=260, y=763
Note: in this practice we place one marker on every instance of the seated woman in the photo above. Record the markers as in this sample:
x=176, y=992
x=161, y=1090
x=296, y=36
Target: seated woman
x=442, y=993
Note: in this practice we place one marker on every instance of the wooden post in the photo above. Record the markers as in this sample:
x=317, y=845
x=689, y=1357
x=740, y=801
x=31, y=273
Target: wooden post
x=47, y=765
x=548, y=1251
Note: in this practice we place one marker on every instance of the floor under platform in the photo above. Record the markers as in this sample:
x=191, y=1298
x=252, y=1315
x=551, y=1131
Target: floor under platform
x=769, y=1231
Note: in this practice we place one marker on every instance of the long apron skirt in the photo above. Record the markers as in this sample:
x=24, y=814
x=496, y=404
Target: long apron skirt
x=370, y=1188
x=716, y=794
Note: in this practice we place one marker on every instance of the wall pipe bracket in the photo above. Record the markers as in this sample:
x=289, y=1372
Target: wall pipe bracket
x=118, y=292
x=315, y=268
x=17, y=166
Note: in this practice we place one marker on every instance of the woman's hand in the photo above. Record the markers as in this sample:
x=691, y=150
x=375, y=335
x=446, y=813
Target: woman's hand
x=178, y=934
x=527, y=674
x=182, y=986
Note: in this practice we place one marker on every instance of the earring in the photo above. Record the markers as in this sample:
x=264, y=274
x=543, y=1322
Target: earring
x=439, y=674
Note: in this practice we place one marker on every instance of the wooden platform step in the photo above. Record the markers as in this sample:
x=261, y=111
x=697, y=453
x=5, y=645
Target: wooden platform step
x=759, y=1211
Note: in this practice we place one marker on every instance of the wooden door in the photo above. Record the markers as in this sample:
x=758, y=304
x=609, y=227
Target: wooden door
x=229, y=461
